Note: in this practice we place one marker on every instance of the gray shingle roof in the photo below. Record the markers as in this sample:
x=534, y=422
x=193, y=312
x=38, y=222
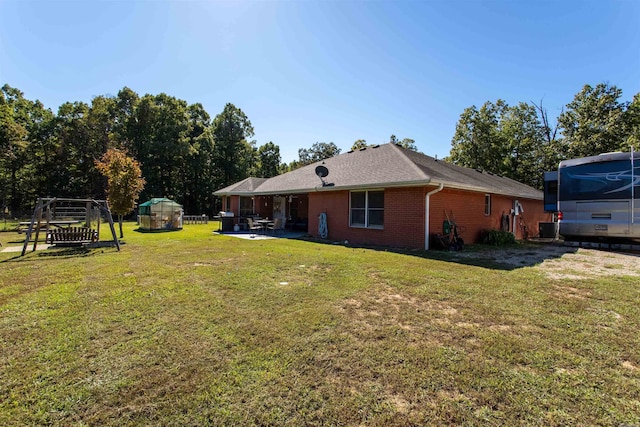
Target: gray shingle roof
x=246, y=186
x=470, y=179
x=387, y=165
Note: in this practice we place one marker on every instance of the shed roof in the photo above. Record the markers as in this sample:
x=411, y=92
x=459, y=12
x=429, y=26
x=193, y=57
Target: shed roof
x=156, y=200
x=382, y=166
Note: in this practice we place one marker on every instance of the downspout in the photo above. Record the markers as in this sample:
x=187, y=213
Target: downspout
x=633, y=195
x=426, y=214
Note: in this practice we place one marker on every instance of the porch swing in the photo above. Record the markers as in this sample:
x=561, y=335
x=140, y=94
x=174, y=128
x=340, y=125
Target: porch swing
x=58, y=218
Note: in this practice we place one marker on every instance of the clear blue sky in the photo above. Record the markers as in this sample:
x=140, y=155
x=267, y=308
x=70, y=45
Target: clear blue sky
x=329, y=71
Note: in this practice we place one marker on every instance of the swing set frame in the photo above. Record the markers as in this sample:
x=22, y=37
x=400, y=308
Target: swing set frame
x=51, y=213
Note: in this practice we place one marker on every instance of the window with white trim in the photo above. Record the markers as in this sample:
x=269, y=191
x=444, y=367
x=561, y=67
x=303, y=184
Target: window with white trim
x=366, y=209
x=487, y=204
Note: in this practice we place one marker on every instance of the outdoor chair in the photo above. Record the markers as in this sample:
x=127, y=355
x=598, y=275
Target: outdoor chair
x=278, y=226
x=253, y=227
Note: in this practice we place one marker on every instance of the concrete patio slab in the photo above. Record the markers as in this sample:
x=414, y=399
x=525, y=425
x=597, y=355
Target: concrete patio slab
x=39, y=247
x=259, y=236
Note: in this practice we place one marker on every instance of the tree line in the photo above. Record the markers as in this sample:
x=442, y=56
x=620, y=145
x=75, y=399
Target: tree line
x=521, y=141
x=183, y=153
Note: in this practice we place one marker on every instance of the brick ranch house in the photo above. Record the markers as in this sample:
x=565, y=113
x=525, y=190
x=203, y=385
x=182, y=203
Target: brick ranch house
x=388, y=196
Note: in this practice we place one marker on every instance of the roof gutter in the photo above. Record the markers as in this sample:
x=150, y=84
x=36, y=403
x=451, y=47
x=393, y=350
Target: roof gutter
x=417, y=183
x=426, y=214
x=320, y=188
x=494, y=191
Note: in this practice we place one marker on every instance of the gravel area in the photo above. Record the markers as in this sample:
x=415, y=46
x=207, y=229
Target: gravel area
x=564, y=262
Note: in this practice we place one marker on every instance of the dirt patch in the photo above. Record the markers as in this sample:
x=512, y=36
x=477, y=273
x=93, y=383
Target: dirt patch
x=589, y=263
x=382, y=311
x=570, y=292
x=564, y=262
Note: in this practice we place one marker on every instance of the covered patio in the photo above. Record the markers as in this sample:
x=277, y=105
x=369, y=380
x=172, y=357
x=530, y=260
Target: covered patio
x=243, y=202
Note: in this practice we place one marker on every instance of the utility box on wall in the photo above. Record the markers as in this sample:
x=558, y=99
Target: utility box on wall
x=548, y=230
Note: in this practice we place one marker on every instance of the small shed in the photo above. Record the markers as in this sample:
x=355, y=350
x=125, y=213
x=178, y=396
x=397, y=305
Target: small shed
x=160, y=214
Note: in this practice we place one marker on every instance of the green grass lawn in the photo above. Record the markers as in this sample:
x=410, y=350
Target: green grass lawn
x=192, y=328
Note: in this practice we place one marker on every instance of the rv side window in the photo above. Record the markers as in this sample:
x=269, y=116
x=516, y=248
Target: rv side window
x=596, y=181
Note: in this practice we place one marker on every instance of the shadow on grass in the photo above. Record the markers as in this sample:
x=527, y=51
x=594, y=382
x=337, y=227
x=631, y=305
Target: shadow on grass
x=507, y=258
x=158, y=230
x=66, y=252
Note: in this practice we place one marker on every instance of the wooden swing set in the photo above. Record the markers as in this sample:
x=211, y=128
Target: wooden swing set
x=55, y=216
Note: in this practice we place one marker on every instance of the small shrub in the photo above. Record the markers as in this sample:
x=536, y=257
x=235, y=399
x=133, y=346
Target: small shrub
x=497, y=237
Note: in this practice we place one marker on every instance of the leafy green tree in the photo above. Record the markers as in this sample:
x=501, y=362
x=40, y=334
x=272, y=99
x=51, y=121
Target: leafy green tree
x=358, y=144
x=44, y=145
x=477, y=142
x=524, y=150
x=291, y=166
x=552, y=151
x=161, y=140
x=407, y=143
x=318, y=151
x=13, y=143
x=54, y=155
x=502, y=139
x=268, y=160
x=171, y=147
x=520, y=142
x=234, y=156
x=593, y=122
x=23, y=125
x=125, y=126
x=124, y=181
x=100, y=122
x=199, y=174
x=70, y=167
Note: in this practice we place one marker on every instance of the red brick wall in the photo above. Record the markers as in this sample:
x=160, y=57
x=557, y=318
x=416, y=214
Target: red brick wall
x=403, y=218
x=235, y=205
x=466, y=208
x=404, y=215
x=264, y=206
x=533, y=215
x=298, y=207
